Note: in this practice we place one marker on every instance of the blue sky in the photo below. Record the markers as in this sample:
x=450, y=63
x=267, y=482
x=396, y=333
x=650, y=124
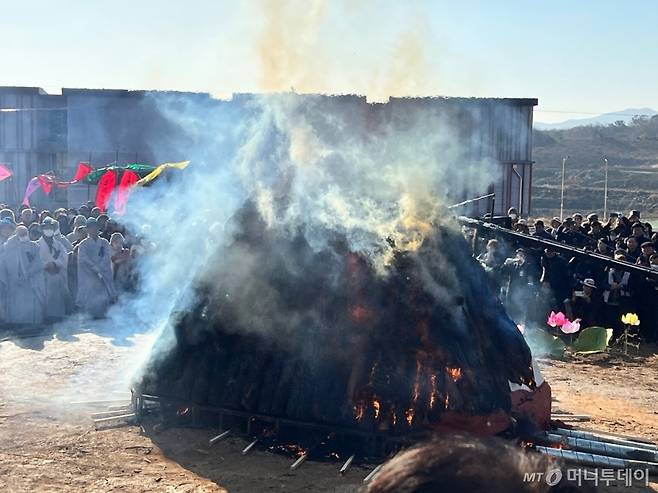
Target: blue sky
x=574, y=56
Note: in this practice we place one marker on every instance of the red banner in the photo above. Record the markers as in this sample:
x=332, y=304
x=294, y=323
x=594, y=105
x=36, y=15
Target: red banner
x=106, y=186
x=83, y=170
x=5, y=172
x=128, y=179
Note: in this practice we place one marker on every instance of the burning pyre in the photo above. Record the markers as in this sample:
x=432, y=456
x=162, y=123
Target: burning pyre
x=283, y=328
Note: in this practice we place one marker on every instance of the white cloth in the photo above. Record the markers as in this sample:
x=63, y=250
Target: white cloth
x=95, y=283
x=21, y=274
x=57, y=295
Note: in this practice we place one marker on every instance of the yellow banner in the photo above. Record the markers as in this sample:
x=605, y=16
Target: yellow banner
x=157, y=171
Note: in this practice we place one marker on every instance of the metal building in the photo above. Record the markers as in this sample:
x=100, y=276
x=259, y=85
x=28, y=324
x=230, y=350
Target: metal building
x=56, y=132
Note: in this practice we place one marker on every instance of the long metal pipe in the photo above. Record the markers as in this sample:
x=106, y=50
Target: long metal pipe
x=603, y=438
x=595, y=460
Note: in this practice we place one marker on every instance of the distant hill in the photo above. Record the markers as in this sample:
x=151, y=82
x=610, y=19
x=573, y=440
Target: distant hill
x=626, y=116
x=632, y=153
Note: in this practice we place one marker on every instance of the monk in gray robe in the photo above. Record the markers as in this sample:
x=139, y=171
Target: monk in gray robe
x=55, y=261
x=95, y=284
x=21, y=272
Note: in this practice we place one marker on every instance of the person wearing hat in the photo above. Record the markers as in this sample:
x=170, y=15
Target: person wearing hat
x=55, y=268
x=648, y=250
x=585, y=304
x=21, y=275
x=632, y=249
x=95, y=284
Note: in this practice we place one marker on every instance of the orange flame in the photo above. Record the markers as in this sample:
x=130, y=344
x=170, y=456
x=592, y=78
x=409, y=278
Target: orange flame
x=446, y=401
x=433, y=395
x=409, y=415
x=359, y=411
x=455, y=372
x=376, y=405
x=419, y=369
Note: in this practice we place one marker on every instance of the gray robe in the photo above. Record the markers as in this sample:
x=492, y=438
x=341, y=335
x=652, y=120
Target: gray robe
x=57, y=295
x=21, y=274
x=95, y=284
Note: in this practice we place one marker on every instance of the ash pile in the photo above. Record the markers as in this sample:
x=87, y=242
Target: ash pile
x=331, y=337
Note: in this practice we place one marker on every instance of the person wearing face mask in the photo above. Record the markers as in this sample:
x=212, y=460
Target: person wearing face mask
x=95, y=280
x=55, y=260
x=21, y=273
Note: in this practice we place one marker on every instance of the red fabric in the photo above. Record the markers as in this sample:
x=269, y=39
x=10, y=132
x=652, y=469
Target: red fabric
x=483, y=425
x=83, y=170
x=106, y=186
x=128, y=179
x=535, y=406
x=46, y=183
x=4, y=172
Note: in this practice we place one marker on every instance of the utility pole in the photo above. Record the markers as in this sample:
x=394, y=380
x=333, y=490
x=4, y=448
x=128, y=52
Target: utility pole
x=605, y=190
x=564, y=164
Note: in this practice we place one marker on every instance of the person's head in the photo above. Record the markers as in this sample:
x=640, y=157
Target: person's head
x=589, y=286
x=34, y=231
x=521, y=255
x=79, y=220
x=90, y=204
x=539, y=225
x=555, y=223
x=7, y=227
x=648, y=229
x=111, y=226
x=642, y=261
x=492, y=245
x=102, y=221
x=602, y=247
x=44, y=214
x=48, y=227
x=634, y=215
x=22, y=234
x=84, y=210
x=116, y=241
x=631, y=244
x=81, y=232
x=638, y=229
x=460, y=463
x=7, y=214
x=62, y=219
x=71, y=213
x=92, y=227
x=647, y=249
x=577, y=218
x=26, y=216
x=513, y=213
x=595, y=227
x=95, y=212
x=592, y=217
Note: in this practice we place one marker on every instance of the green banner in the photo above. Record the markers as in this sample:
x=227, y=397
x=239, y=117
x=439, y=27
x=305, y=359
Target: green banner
x=141, y=169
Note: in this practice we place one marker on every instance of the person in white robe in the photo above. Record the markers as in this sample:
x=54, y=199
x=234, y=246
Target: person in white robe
x=21, y=273
x=55, y=258
x=95, y=283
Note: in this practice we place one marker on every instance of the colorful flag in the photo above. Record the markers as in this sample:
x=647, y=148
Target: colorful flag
x=46, y=182
x=83, y=170
x=5, y=172
x=106, y=186
x=158, y=171
x=128, y=179
x=32, y=186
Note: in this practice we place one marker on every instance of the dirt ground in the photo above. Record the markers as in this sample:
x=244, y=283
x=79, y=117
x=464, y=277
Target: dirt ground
x=48, y=443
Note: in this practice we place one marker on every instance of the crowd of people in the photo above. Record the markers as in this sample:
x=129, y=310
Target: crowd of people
x=532, y=282
x=53, y=264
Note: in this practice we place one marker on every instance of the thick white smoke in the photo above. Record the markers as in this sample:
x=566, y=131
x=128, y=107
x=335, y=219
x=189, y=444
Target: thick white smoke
x=313, y=164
